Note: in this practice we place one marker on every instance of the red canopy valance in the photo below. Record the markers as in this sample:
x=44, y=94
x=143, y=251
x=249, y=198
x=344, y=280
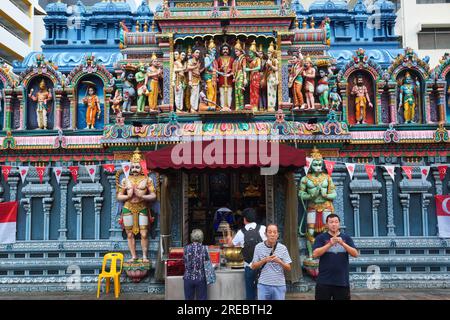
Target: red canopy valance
x=227, y=153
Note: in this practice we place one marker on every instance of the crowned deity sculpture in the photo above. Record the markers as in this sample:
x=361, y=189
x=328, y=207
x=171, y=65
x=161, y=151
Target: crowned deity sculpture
x=254, y=66
x=179, y=79
x=240, y=76
x=224, y=65
x=335, y=99
x=323, y=88
x=309, y=75
x=137, y=192
x=296, y=82
x=194, y=69
x=318, y=190
x=93, y=110
x=210, y=74
x=272, y=78
x=141, y=88
x=154, y=73
x=362, y=99
x=42, y=97
x=408, y=97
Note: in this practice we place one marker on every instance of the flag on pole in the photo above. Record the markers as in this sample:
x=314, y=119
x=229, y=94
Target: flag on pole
x=391, y=171
x=40, y=172
x=8, y=220
x=329, y=165
x=408, y=171
x=109, y=167
x=351, y=169
x=126, y=166
x=144, y=167
x=58, y=172
x=442, y=172
x=370, y=169
x=6, y=170
x=23, y=172
x=424, y=171
x=74, y=172
x=308, y=164
x=91, y=170
x=443, y=215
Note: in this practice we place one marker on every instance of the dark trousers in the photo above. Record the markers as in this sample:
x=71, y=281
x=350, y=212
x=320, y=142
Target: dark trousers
x=195, y=288
x=327, y=292
x=250, y=284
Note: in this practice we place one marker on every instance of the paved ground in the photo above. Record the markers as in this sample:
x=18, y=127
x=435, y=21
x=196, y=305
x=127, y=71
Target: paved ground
x=357, y=294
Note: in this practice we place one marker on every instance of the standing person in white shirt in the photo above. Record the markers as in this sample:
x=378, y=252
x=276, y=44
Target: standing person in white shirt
x=248, y=237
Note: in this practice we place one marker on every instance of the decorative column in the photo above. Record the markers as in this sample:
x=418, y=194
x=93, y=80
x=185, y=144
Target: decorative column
x=26, y=202
x=58, y=110
x=8, y=110
x=63, y=183
x=78, y=207
x=115, y=232
x=98, y=201
x=270, y=211
x=426, y=199
x=73, y=111
x=428, y=93
x=47, y=206
x=22, y=109
x=390, y=205
x=185, y=208
x=376, y=200
x=94, y=31
x=393, y=102
x=379, y=93
x=338, y=179
x=13, y=182
x=404, y=200
x=343, y=91
x=354, y=197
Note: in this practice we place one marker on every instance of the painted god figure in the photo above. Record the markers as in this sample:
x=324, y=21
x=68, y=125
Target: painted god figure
x=255, y=77
x=42, y=97
x=408, y=98
x=317, y=188
x=151, y=83
x=194, y=79
x=141, y=88
x=362, y=99
x=93, y=111
x=335, y=99
x=240, y=76
x=263, y=74
x=116, y=101
x=296, y=82
x=272, y=78
x=128, y=93
x=210, y=75
x=323, y=88
x=309, y=74
x=179, y=80
x=224, y=66
x=137, y=192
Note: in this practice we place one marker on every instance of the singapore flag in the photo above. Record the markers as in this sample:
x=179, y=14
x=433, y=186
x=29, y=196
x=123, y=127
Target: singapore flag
x=443, y=215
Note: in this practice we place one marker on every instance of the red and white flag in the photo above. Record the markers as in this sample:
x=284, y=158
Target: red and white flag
x=408, y=171
x=8, y=220
x=74, y=172
x=308, y=164
x=391, y=171
x=424, y=171
x=351, y=169
x=442, y=172
x=109, y=167
x=58, y=172
x=370, y=169
x=329, y=165
x=23, y=173
x=40, y=172
x=91, y=170
x=126, y=166
x=6, y=170
x=144, y=167
x=443, y=215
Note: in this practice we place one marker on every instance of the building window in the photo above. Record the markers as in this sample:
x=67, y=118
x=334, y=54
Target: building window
x=434, y=38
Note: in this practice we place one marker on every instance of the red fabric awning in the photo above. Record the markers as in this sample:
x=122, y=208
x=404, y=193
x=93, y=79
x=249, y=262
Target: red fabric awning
x=227, y=153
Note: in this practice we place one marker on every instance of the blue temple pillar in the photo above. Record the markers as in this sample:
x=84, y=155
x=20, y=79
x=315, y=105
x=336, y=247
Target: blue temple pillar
x=115, y=231
x=63, y=183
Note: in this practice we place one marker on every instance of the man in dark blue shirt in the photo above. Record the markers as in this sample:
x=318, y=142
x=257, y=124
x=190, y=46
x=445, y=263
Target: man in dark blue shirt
x=333, y=248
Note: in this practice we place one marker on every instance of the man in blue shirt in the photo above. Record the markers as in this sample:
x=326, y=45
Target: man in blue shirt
x=333, y=248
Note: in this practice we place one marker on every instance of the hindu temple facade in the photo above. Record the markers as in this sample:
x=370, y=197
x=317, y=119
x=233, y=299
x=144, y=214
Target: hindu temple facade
x=131, y=62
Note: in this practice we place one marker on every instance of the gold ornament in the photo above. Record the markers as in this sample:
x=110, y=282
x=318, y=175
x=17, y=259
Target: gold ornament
x=238, y=45
x=136, y=157
x=253, y=46
x=271, y=47
x=211, y=45
x=315, y=154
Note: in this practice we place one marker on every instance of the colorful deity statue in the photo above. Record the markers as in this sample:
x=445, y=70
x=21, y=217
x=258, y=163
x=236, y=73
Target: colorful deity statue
x=137, y=192
x=254, y=66
x=187, y=88
x=296, y=82
x=335, y=99
x=42, y=97
x=408, y=97
x=224, y=65
x=128, y=93
x=263, y=74
x=362, y=99
x=210, y=75
x=272, y=78
x=240, y=76
x=309, y=75
x=179, y=79
x=93, y=110
x=116, y=101
x=323, y=88
x=141, y=88
x=154, y=73
x=194, y=67
x=317, y=188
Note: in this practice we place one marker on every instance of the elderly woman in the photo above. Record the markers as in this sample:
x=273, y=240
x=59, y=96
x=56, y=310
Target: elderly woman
x=195, y=255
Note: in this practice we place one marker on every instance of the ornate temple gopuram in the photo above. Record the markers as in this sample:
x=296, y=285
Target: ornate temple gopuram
x=114, y=91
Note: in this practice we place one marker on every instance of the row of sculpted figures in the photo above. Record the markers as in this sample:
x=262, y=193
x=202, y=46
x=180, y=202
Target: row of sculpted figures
x=408, y=92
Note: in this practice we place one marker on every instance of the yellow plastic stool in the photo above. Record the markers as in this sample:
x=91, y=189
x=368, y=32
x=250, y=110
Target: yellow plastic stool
x=112, y=273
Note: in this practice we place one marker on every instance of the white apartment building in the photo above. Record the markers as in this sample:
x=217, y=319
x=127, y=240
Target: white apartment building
x=21, y=28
